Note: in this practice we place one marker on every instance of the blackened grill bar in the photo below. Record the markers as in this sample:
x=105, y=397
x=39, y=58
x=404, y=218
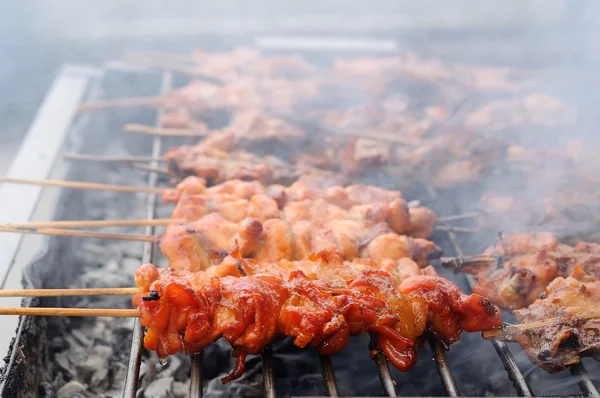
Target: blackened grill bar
x=137, y=342
x=515, y=374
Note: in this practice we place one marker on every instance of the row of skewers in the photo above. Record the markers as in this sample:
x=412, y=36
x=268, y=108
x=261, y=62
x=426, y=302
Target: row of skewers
x=513, y=273
x=264, y=247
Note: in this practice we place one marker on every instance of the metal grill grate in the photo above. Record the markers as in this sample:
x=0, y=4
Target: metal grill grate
x=515, y=374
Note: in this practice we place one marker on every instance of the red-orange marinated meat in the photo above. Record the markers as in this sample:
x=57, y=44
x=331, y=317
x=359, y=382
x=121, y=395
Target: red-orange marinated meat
x=189, y=310
x=309, y=198
x=197, y=245
x=450, y=310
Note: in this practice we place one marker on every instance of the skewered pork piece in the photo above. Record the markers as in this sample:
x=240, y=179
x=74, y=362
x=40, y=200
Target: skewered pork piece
x=529, y=263
x=199, y=244
x=190, y=310
x=330, y=268
x=185, y=107
x=539, y=109
x=309, y=198
x=243, y=61
x=564, y=342
x=216, y=160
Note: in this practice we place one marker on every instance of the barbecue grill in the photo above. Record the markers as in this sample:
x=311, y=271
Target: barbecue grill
x=56, y=129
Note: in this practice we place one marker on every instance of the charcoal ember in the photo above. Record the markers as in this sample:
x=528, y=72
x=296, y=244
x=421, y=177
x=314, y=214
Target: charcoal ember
x=70, y=389
x=58, y=382
x=129, y=265
x=133, y=249
x=173, y=364
x=58, y=344
x=102, y=279
x=121, y=341
x=95, y=369
x=118, y=372
x=81, y=338
x=180, y=389
x=159, y=388
x=62, y=364
x=97, y=254
x=47, y=390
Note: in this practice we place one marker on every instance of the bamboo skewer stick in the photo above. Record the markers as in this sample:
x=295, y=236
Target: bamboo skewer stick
x=98, y=158
x=85, y=185
x=107, y=312
x=456, y=229
x=508, y=332
x=121, y=103
x=145, y=167
x=457, y=217
x=91, y=223
x=165, y=132
x=78, y=233
x=118, y=291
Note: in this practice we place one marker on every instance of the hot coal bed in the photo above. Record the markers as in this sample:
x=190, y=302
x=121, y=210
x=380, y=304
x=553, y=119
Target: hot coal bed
x=88, y=357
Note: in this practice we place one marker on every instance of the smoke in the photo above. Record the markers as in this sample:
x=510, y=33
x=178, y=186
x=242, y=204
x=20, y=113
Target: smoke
x=552, y=43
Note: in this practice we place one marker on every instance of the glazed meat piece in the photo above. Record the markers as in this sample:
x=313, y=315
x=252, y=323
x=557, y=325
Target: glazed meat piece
x=306, y=199
x=186, y=161
x=448, y=309
x=197, y=245
x=574, y=334
x=194, y=185
x=232, y=208
x=190, y=310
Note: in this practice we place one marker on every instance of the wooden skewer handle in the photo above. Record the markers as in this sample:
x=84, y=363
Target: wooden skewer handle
x=165, y=132
x=77, y=233
x=99, y=158
x=108, y=312
x=124, y=291
x=83, y=185
x=120, y=103
x=91, y=224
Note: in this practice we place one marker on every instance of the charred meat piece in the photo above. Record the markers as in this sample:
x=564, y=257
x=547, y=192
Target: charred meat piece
x=573, y=335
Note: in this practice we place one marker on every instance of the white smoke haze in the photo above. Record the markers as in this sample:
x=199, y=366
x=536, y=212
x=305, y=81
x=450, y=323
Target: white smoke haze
x=551, y=126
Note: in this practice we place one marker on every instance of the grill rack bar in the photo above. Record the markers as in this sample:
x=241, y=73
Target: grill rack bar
x=331, y=387
x=383, y=369
x=584, y=380
x=515, y=374
x=137, y=346
x=439, y=357
x=197, y=376
x=268, y=375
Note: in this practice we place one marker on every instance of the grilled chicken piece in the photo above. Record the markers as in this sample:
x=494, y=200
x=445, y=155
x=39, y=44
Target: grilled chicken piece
x=197, y=245
x=532, y=110
x=190, y=310
x=564, y=342
x=309, y=198
x=529, y=263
